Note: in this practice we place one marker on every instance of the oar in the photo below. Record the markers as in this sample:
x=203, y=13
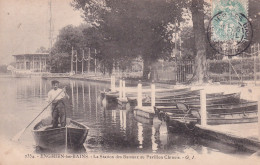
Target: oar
x=19, y=134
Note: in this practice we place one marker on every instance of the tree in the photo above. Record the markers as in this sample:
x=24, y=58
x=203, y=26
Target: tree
x=60, y=55
x=199, y=35
x=131, y=28
x=254, y=17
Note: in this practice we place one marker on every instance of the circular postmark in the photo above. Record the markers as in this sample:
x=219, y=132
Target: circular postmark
x=229, y=33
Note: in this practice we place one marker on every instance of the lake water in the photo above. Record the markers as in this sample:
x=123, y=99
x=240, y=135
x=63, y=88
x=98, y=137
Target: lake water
x=111, y=130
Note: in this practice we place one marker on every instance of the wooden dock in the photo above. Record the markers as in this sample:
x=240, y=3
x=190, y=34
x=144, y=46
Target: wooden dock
x=240, y=135
x=179, y=104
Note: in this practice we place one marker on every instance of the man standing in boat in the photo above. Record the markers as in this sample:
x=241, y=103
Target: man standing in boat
x=57, y=96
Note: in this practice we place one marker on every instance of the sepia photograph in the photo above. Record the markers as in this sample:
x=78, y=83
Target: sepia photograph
x=130, y=82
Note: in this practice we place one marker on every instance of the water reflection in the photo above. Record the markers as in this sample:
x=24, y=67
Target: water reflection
x=140, y=134
x=111, y=129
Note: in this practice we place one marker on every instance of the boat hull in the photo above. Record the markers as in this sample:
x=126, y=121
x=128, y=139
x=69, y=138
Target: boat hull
x=180, y=124
x=55, y=139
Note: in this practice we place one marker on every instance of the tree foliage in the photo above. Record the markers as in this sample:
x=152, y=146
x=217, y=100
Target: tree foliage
x=60, y=56
x=128, y=28
x=121, y=30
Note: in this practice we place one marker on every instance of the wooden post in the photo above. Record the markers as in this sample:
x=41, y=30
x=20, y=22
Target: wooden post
x=113, y=83
x=203, y=107
x=229, y=69
x=254, y=46
x=88, y=60
x=82, y=67
x=76, y=62
x=71, y=62
x=83, y=95
x=95, y=61
x=66, y=137
x=124, y=94
x=72, y=92
x=139, y=95
x=120, y=89
x=152, y=94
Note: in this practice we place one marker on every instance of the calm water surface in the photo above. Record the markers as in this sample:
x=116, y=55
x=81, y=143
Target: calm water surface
x=111, y=130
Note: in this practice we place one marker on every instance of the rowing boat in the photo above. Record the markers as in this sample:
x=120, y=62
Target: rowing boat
x=194, y=101
x=243, y=107
x=55, y=139
x=181, y=123
x=220, y=99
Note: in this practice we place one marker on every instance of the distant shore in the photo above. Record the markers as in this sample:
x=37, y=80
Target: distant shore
x=5, y=75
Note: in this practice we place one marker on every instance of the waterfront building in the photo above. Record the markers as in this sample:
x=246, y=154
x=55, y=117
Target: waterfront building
x=33, y=62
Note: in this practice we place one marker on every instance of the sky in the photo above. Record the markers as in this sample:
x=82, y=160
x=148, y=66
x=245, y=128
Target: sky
x=24, y=25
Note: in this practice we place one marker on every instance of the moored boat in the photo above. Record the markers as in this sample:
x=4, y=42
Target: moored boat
x=55, y=139
x=232, y=118
x=180, y=123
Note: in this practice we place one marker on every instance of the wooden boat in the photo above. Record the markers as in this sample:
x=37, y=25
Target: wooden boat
x=54, y=139
x=219, y=119
x=179, y=94
x=244, y=113
x=172, y=101
x=214, y=108
x=241, y=104
x=181, y=123
x=111, y=97
x=195, y=100
x=234, y=108
x=232, y=118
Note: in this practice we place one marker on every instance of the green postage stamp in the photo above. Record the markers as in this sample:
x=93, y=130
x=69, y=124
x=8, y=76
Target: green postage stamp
x=230, y=31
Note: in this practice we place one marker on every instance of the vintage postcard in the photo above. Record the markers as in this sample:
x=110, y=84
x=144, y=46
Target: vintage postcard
x=129, y=82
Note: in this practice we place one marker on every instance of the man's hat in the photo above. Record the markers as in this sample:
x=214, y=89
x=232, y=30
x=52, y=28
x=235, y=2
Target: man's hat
x=54, y=82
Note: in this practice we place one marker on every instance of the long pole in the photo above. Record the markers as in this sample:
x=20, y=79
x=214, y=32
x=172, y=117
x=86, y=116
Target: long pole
x=95, y=61
x=258, y=48
x=254, y=63
x=82, y=67
x=88, y=60
x=71, y=62
x=19, y=134
x=76, y=62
